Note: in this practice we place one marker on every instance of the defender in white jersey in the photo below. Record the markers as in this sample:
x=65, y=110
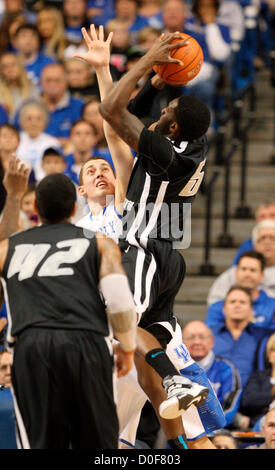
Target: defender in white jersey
x=123, y=160
x=108, y=221
x=103, y=216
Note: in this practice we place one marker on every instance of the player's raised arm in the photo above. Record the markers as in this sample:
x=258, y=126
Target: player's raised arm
x=15, y=182
x=98, y=56
x=3, y=321
x=4, y=246
x=114, y=106
x=120, y=305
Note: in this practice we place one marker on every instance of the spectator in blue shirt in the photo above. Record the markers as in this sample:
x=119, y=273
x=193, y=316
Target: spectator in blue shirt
x=75, y=17
x=127, y=10
x=215, y=41
x=63, y=109
x=7, y=421
x=213, y=38
x=224, y=377
x=263, y=236
x=151, y=10
x=237, y=339
x=27, y=42
x=100, y=11
x=264, y=211
x=259, y=392
x=267, y=427
x=3, y=325
x=249, y=273
x=3, y=116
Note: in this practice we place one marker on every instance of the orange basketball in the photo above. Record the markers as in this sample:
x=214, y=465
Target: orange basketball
x=191, y=56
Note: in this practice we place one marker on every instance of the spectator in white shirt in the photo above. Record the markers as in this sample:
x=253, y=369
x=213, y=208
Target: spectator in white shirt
x=33, y=118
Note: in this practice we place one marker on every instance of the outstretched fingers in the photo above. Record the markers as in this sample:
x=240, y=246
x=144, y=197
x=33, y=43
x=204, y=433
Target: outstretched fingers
x=109, y=38
x=86, y=36
x=101, y=33
x=99, y=37
x=93, y=32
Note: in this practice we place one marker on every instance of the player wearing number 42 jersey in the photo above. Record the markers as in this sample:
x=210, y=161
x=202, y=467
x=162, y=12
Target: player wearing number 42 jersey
x=54, y=279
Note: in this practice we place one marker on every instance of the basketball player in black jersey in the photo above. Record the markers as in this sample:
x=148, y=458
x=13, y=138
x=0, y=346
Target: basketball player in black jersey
x=171, y=155
x=171, y=279
x=62, y=373
x=15, y=184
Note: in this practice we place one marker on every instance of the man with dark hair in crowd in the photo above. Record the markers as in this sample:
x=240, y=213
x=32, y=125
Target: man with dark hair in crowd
x=27, y=41
x=249, y=273
x=238, y=334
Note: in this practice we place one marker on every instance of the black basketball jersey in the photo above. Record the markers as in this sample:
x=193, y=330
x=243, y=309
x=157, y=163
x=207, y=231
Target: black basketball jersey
x=51, y=277
x=166, y=176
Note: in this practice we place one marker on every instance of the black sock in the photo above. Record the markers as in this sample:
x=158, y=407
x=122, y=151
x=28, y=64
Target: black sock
x=158, y=359
x=178, y=443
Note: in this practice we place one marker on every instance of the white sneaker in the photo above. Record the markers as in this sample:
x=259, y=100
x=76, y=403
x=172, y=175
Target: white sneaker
x=182, y=393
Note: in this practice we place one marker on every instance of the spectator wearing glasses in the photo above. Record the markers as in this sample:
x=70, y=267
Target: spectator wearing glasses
x=223, y=375
x=249, y=273
x=263, y=237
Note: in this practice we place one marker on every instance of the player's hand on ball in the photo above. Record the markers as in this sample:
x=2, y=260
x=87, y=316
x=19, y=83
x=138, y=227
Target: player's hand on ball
x=191, y=57
x=160, y=51
x=158, y=82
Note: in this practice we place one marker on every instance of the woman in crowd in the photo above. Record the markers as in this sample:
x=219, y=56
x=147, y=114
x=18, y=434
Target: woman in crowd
x=50, y=25
x=15, y=86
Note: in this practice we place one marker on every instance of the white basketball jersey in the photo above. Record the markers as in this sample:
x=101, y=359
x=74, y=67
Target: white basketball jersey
x=109, y=222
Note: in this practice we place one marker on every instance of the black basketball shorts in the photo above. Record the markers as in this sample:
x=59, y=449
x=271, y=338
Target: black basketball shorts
x=63, y=390
x=155, y=276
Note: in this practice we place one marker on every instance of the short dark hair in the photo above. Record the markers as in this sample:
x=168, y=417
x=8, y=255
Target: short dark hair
x=80, y=177
x=255, y=255
x=53, y=151
x=80, y=121
x=11, y=127
x=4, y=350
x=138, y=2
x=55, y=197
x=30, y=188
x=193, y=118
x=246, y=290
x=196, y=5
x=28, y=26
x=92, y=99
